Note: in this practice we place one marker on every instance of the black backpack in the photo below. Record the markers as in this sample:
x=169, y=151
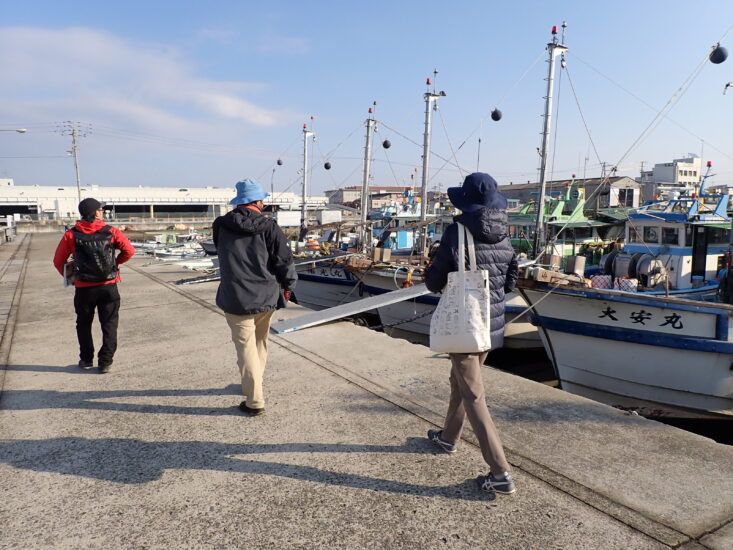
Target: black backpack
x=94, y=256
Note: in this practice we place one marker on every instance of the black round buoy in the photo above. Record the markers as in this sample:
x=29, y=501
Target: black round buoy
x=327, y=166
x=496, y=115
x=279, y=162
x=719, y=54
x=386, y=144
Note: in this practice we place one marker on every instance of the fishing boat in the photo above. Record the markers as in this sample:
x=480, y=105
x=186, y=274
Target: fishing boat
x=571, y=230
x=646, y=332
x=325, y=282
x=660, y=355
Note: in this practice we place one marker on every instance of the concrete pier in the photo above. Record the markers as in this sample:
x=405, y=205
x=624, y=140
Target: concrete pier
x=155, y=454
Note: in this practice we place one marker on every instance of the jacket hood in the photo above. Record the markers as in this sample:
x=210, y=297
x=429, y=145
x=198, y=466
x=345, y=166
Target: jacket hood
x=246, y=221
x=89, y=227
x=487, y=225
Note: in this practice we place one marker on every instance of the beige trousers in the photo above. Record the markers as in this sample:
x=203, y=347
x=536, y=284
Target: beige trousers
x=249, y=334
x=468, y=399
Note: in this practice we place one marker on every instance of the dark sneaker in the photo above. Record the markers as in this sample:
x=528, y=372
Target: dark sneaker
x=105, y=367
x=250, y=411
x=85, y=364
x=496, y=484
x=436, y=437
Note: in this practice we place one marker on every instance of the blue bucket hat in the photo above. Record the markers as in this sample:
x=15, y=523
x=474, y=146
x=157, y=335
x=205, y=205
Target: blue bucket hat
x=249, y=191
x=479, y=191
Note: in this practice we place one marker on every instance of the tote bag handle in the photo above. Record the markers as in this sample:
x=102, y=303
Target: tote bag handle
x=463, y=234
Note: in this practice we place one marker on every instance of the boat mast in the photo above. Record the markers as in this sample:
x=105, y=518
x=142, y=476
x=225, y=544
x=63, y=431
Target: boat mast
x=303, y=207
x=431, y=99
x=554, y=49
x=363, y=231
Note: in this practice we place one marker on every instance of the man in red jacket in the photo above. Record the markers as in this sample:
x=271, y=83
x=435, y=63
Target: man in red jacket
x=96, y=274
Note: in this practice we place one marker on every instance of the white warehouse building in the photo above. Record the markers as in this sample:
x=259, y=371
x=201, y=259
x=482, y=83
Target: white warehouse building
x=51, y=202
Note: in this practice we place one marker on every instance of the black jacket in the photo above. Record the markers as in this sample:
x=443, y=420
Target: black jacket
x=494, y=253
x=254, y=261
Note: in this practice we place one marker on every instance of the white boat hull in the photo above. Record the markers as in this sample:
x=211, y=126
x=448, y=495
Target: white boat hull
x=666, y=356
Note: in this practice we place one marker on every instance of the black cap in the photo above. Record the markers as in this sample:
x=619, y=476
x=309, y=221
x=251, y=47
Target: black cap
x=89, y=206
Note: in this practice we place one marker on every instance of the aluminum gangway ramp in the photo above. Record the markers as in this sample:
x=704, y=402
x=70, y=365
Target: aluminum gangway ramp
x=352, y=308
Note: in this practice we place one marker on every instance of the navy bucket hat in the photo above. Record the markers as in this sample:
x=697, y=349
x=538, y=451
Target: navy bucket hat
x=478, y=191
x=248, y=191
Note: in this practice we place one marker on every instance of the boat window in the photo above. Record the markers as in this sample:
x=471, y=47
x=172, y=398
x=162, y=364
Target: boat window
x=688, y=235
x=718, y=235
x=583, y=232
x=651, y=234
x=634, y=235
x=670, y=235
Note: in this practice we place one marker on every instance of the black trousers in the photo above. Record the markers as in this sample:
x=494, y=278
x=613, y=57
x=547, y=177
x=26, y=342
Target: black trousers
x=106, y=300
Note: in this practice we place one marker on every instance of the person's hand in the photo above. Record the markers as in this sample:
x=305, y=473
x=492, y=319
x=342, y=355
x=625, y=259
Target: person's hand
x=286, y=293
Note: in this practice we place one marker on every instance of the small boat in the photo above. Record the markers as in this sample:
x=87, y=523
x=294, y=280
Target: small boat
x=208, y=246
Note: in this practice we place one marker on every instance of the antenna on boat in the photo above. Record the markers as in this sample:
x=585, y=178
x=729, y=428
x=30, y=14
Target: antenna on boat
x=554, y=49
x=431, y=104
x=303, y=207
x=371, y=124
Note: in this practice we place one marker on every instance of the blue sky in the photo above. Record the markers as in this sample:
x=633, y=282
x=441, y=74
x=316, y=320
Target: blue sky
x=194, y=94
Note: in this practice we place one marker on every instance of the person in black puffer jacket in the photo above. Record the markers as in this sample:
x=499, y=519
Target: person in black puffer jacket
x=255, y=263
x=484, y=215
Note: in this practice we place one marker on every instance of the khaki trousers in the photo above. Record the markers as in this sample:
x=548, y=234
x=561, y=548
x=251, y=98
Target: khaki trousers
x=468, y=399
x=249, y=334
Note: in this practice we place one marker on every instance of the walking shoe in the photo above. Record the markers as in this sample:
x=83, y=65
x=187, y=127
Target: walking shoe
x=85, y=364
x=250, y=411
x=436, y=437
x=105, y=367
x=495, y=484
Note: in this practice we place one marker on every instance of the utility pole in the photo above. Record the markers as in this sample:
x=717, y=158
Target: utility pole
x=70, y=128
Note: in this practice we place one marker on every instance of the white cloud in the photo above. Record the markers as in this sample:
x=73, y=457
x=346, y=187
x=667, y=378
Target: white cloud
x=94, y=75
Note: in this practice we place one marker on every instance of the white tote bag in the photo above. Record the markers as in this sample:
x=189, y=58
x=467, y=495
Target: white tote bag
x=460, y=322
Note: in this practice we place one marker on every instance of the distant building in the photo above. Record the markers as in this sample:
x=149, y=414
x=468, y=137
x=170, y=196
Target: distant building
x=61, y=202
x=617, y=191
x=379, y=195
x=683, y=173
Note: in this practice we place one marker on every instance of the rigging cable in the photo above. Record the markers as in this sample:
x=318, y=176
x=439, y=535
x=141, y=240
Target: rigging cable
x=453, y=152
x=280, y=156
x=391, y=168
x=447, y=161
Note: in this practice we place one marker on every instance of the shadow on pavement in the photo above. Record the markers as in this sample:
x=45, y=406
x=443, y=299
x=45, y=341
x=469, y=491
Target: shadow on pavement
x=132, y=461
x=27, y=400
